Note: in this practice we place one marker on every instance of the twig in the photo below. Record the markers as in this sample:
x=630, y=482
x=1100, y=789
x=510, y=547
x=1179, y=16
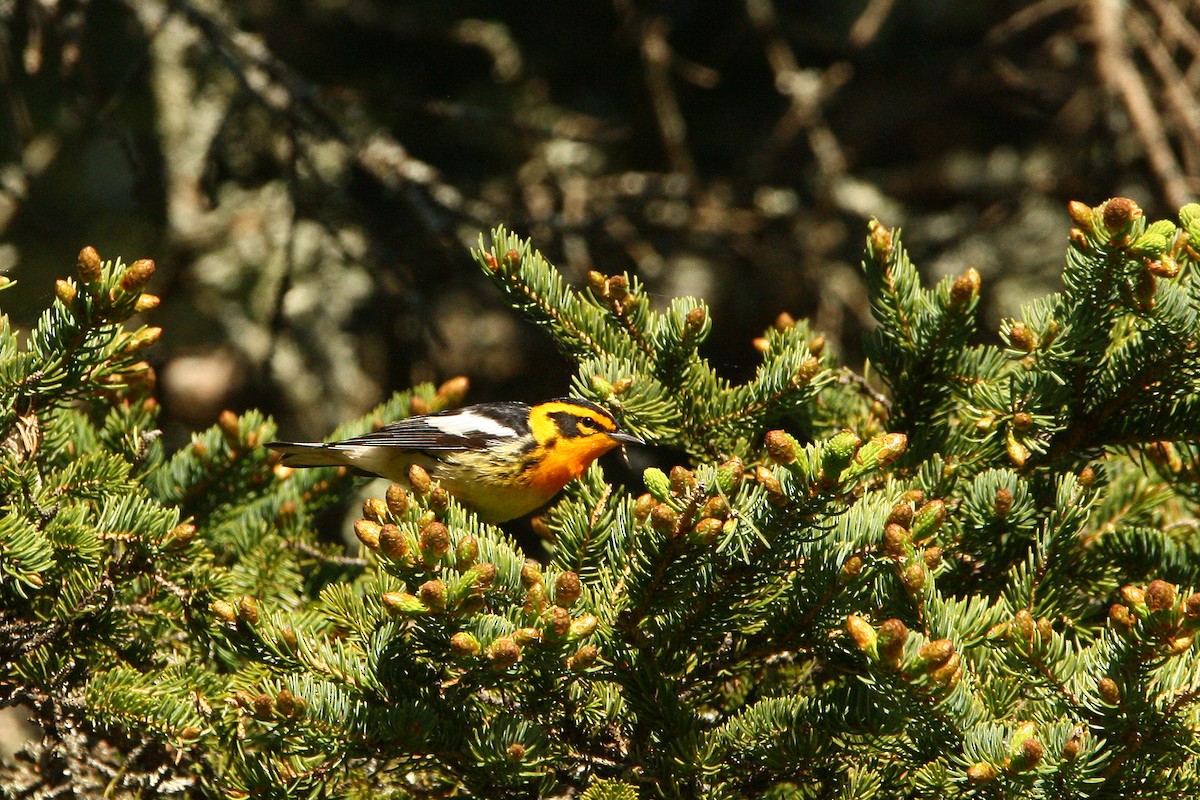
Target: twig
x=1121, y=77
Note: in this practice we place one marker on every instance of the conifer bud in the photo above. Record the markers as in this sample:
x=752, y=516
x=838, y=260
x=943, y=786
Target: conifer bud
x=1021, y=338
x=567, y=589
x=965, y=288
x=515, y=752
x=780, y=447
x=142, y=339
x=402, y=604
x=417, y=405
x=707, y=530
x=490, y=260
x=1087, y=476
x=503, y=652
x=1118, y=213
x=982, y=772
x=464, y=645
x=1079, y=239
x=1022, y=421
x=227, y=421
x=146, y=302
x=842, y=447
x=397, y=500
x=1002, y=503
x=616, y=287
x=785, y=322
x=289, y=639
x=375, y=509
x=643, y=506
x=1109, y=692
x=1164, y=267
x=512, y=258
x=928, y=519
x=901, y=514
x=297, y=707
x=264, y=707
x=851, y=568
x=224, y=611
x=663, y=519
x=526, y=636
x=913, y=577
x=88, y=263
x=1191, y=606
x=189, y=733
x=601, y=387
x=531, y=573
x=816, y=345
x=682, y=480
x=1018, y=453
x=466, y=553
x=583, y=658
x=582, y=627
x=433, y=594
x=137, y=275
x=861, y=633
x=1074, y=744
x=248, y=609
x=419, y=480
x=483, y=575
x=1180, y=644
x=695, y=320
x=439, y=500
x=947, y=675
x=622, y=385
x=64, y=291
x=452, y=392
x=595, y=281
x=1081, y=214
x=892, y=635
x=880, y=242
x=1134, y=597
x=657, y=483
x=1024, y=625
x=935, y=654
x=369, y=533
x=1028, y=756
x=932, y=557
x=557, y=621
x=180, y=536
x=391, y=541
x=808, y=370
x=729, y=475
x=434, y=540
x=896, y=541
x=715, y=506
x=1121, y=617
x=1160, y=596
x=536, y=599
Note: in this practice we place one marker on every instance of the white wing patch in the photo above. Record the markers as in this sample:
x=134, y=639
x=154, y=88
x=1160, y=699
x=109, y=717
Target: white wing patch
x=469, y=422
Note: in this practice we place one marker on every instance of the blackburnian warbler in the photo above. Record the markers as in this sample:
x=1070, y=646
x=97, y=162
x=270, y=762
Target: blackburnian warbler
x=502, y=460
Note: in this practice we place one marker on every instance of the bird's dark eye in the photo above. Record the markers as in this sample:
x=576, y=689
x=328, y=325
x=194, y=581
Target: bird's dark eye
x=587, y=425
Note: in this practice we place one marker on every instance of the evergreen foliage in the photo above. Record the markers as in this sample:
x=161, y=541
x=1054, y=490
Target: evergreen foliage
x=978, y=584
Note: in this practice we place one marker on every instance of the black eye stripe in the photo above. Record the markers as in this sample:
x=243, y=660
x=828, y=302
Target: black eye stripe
x=572, y=425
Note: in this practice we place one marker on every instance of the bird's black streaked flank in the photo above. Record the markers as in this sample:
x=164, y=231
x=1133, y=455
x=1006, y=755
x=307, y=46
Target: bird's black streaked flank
x=501, y=459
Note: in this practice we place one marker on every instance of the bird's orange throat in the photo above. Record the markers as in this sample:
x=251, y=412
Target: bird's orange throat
x=566, y=461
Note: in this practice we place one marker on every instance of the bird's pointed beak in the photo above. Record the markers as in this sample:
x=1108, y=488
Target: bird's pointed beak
x=626, y=438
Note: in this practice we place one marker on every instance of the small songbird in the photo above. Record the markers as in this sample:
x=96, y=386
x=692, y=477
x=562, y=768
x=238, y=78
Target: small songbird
x=502, y=460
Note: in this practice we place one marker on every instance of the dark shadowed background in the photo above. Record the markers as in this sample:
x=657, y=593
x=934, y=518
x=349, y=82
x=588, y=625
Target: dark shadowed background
x=309, y=175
